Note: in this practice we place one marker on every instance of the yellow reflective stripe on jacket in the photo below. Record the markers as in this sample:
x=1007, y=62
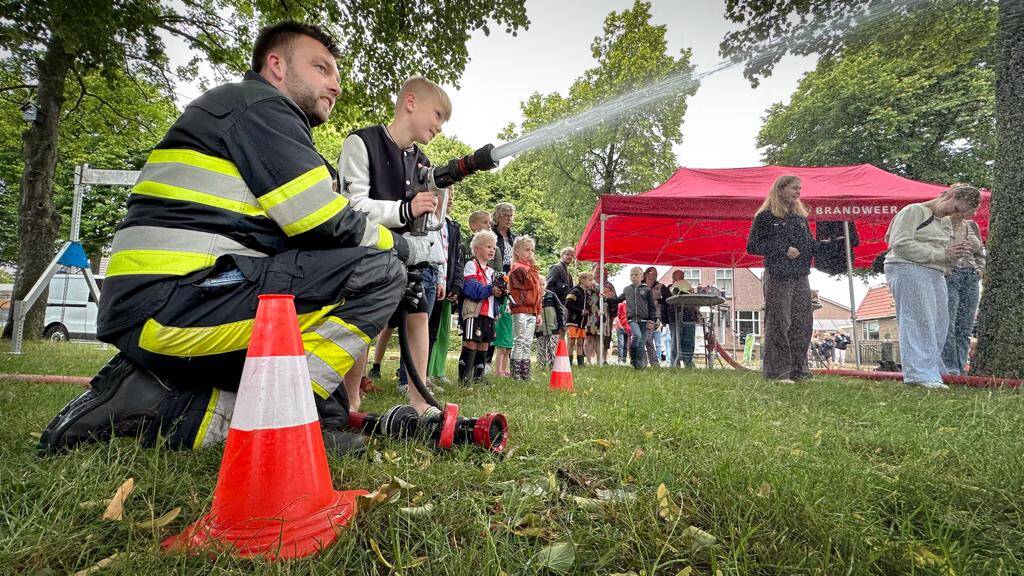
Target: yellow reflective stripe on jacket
x=197, y=159
x=295, y=187
x=207, y=417
x=385, y=239
x=331, y=350
x=304, y=203
x=158, y=190
x=163, y=262
x=316, y=218
x=209, y=340
x=318, y=389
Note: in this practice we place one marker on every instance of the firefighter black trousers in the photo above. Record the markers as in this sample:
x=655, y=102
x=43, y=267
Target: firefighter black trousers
x=197, y=341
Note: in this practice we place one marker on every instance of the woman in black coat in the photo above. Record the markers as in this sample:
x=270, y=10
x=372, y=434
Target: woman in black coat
x=780, y=233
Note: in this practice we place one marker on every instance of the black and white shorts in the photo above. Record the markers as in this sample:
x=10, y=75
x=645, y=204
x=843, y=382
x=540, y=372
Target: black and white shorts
x=479, y=329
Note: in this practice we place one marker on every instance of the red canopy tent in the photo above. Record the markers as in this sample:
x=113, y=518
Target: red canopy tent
x=702, y=217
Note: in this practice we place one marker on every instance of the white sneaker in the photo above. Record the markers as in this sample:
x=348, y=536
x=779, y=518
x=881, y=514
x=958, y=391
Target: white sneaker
x=934, y=385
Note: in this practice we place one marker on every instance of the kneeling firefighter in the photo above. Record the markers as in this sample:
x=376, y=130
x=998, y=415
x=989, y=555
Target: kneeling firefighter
x=235, y=202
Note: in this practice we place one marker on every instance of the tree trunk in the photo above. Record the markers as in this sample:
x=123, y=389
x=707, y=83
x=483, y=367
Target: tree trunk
x=38, y=222
x=1001, y=320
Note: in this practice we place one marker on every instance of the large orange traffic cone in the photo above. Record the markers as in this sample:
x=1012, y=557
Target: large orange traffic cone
x=274, y=496
x=561, y=370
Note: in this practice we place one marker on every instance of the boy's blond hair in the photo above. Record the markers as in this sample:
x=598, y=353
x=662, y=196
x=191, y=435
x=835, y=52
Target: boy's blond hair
x=423, y=87
x=482, y=237
x=479, y=216
x=586, y=276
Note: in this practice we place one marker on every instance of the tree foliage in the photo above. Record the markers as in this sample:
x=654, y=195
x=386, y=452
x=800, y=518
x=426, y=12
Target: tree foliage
x=113, y=124
x=627, y=155
x=51, y=45
x=909, y=104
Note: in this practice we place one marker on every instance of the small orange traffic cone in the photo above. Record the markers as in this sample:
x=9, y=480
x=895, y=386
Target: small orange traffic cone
x=274, y=496
x=561, y=370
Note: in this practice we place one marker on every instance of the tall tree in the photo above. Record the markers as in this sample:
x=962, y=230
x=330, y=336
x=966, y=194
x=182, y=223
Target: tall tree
x=627, y=155
x=910, y=106
x=52, y=43
x=771, y=29
x=1000, y=330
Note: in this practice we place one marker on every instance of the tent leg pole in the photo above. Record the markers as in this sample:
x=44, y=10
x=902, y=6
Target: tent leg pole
x=600, y=275
x=853, y=304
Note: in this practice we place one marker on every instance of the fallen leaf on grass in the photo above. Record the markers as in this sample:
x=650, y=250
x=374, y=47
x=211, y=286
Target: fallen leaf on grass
x=606, y=444
x=626, y=494
x=685, y=571
x=115, y=510
x=667, y=509
x=36, y=435
x=558, y=557
x=587, y=503
x=98, y=566
x=764, y=491
x=924, y=558
x=376, y=548
x=385, y=494
x=416, y=511
x=162, y=521
x=416, y=562
x=698, y=539
x=94, y=503
x=488, y=469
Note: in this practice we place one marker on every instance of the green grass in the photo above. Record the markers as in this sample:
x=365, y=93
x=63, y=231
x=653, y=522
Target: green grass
x=826, y=477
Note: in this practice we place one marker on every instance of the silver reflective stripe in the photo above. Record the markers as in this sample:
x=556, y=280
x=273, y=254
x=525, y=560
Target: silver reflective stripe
x=217, y=429
x=178, y=240
x=342, y=336
x=199, y=180
x=334, y=355
x=321, y=372
x=303, y=204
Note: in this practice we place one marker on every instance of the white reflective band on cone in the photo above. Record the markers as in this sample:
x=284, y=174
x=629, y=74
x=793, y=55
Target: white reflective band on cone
x=561, y=364
x=274, y=392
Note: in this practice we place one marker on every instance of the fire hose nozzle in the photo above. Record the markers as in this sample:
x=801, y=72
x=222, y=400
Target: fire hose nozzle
x=437, y=178
x=489, y=431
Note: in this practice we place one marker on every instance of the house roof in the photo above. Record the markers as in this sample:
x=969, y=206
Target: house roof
x=834, y=303
x=877, y=303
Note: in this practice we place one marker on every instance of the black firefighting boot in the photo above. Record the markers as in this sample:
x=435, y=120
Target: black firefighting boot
x=123, y=399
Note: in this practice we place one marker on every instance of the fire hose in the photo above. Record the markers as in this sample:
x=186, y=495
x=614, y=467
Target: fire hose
x=447, y=428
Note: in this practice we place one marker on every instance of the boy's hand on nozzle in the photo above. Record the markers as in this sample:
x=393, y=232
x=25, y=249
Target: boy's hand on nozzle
x=422, y=203
x=497, y=291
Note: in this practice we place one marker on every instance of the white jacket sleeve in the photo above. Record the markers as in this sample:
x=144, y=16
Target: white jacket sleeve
x=354, y=175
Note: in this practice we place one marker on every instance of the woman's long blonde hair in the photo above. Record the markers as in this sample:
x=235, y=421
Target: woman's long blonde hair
x=774, y=200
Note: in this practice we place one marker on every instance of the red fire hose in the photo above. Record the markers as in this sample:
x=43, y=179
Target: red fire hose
x=49, y=378
x=969, y=381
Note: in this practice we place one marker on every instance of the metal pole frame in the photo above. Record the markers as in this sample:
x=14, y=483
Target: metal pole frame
x=853, y=304
x=84, y=176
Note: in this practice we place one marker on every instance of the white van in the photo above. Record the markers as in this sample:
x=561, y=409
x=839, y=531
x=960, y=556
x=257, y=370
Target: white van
x=70, y=309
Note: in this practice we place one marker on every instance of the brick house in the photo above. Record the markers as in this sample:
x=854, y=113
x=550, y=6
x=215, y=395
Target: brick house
x=745, y=295
x=876, y=315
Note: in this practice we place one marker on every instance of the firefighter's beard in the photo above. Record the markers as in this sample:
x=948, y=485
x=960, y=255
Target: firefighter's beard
x=306, y=98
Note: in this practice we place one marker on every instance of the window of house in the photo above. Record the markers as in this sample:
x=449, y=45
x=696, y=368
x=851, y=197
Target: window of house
x=692, y=275
x=870, y=330
x=723, y=281
x=748, y=322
